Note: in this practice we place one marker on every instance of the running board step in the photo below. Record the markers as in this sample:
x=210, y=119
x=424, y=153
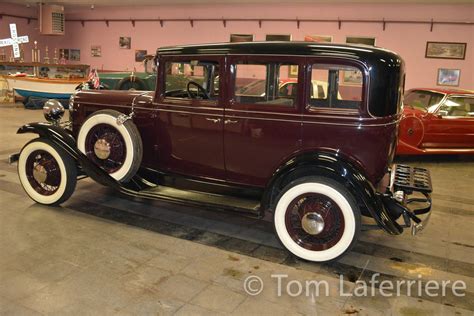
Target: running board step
x=201, y=199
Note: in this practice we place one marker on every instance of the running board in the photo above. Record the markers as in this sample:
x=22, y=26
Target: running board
x=201, y=199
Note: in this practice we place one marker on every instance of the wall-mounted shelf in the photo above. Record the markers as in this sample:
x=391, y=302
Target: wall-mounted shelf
x=383, y=22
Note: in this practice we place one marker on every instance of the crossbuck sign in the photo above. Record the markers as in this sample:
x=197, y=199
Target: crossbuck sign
x=14, y=41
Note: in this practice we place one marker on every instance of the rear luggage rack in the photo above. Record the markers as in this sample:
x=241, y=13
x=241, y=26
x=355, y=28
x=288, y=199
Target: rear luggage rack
x=407, y=178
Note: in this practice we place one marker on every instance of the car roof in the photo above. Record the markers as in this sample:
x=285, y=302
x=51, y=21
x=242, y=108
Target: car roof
x=363, y=52
x=445, y=90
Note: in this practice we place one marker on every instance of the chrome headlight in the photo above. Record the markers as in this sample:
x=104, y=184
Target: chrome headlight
x=53, y=111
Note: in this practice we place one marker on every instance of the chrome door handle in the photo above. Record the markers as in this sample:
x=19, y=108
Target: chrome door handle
x=230, y=122
x=214, y=120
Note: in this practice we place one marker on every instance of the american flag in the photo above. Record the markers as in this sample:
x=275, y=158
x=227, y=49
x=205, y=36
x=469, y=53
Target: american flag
x=94, y=78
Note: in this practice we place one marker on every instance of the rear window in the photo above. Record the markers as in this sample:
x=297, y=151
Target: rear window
x=336, y=86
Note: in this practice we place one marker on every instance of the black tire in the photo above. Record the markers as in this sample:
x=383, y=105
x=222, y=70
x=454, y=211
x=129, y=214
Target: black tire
x=317, y=219
x=43, y=158
x=125, y=148
x=131, y=83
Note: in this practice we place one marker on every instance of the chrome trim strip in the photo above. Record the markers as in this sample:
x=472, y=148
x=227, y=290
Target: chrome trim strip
x=190, y=113
x=310, y=122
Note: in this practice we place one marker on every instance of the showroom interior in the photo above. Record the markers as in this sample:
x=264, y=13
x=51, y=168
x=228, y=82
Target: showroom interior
x=248, y=157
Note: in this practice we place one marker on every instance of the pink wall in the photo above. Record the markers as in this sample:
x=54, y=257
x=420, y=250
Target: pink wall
x=409, y=40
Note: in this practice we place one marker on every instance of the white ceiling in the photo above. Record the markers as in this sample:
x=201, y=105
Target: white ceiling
x=169, y=2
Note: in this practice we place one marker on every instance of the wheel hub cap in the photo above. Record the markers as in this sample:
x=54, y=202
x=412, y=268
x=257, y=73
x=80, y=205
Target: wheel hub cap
x=39, y=173
x=312, y=223
x=102, y=149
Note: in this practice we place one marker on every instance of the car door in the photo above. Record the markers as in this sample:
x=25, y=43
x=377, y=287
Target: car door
x=190, y=117
x=452, y=125
x=262, y=125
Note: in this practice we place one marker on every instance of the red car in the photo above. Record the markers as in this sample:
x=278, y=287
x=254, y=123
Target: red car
x=437, y=121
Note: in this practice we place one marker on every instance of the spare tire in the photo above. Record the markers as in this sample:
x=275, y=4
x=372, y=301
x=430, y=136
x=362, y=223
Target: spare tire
x=116, y=148
x=131, y=83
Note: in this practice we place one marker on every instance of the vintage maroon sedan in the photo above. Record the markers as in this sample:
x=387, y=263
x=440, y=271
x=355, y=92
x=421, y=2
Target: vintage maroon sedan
x=437, y=121
x=317, y=157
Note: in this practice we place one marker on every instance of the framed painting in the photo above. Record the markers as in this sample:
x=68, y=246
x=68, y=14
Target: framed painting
x=448, y=77
x=278, y=37
x=360, y=40
x=96, y=51
x=238, y=38
x=125, y=42
x=75, y=54
x=293, y=71
x=318, y=38
x=352, y=77
x=140, y=55
x=445, y=50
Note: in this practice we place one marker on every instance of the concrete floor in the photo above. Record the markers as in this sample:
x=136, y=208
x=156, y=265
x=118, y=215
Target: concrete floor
x=102, y=254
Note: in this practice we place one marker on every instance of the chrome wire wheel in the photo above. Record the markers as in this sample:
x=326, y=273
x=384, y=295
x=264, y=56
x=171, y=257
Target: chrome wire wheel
x=316, y=219
x=106, y=147
x=112, y=144
x=47, y=173
x=43, y=173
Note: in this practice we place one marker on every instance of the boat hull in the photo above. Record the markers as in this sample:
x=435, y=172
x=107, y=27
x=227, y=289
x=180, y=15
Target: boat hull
x=43, y=88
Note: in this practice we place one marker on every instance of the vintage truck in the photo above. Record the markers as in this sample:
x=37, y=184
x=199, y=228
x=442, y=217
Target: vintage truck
x=316, y=160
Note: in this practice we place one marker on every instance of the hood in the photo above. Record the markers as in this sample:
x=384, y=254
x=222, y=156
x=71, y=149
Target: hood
x=113, y=97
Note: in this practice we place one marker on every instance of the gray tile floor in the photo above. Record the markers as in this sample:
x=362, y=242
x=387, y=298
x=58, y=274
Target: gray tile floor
x=102, y=254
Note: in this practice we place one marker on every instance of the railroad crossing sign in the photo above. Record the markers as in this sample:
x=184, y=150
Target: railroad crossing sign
x=14, y=41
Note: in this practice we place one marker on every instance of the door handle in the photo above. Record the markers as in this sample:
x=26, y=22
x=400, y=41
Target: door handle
x=230, y=122
x=214, y=120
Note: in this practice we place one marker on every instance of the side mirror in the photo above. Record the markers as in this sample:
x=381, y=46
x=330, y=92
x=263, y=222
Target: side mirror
x=442, y=113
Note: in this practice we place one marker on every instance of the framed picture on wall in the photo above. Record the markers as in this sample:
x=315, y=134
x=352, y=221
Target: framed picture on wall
x=318, y=38
x=75, y=54
x=445, y=50
x=360, y=40
x=237, y=38
x=140, y=55
x=96, y=51
x=125, y=42
x=352, y=77
x=293, y=71
x=448, y=77
x=64, y=53
x=278, y=37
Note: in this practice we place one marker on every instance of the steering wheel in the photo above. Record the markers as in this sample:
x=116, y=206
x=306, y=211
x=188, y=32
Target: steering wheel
x=200, y=90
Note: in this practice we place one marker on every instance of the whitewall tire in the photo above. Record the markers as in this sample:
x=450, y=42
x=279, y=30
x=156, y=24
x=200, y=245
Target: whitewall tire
x=116, y=148
x=47, y=173
x=316, y=219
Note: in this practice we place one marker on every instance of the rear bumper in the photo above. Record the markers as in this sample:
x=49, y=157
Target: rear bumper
x=409, y=197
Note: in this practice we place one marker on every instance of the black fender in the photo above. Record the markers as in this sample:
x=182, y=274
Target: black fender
x=338, y=168
x=63, y=139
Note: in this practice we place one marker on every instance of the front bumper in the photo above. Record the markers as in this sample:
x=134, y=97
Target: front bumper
x=408, y=197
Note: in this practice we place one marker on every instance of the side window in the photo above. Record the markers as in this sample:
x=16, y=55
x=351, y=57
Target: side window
x=335, y=86
x=266, y=84
x=458, y=107
x=192, y=79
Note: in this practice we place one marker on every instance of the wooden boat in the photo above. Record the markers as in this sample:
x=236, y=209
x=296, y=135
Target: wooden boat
x=43, y=80
x=43, y=87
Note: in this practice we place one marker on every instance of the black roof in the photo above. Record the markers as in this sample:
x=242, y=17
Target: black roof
x=282, y=48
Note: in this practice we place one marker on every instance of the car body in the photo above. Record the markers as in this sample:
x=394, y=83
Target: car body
x=316, y=161
x=437, y=121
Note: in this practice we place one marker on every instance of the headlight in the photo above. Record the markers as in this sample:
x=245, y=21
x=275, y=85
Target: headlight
x=53, y=111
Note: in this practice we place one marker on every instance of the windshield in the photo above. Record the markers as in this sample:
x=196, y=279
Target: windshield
x=422, y=99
